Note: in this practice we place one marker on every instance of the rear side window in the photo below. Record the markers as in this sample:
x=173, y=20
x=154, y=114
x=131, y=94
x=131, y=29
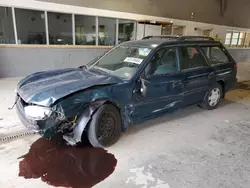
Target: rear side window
x=191, y=57
x=216, y=55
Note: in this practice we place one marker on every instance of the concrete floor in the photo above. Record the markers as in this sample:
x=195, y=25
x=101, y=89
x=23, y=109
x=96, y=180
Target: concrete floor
x=191, y=148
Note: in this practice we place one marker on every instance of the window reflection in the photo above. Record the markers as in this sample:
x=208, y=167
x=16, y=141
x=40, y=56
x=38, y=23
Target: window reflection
x=126, y=30
x=85, y=30
x=107, y=31
x=6, y=26
x=30, y=26
x=60, y=28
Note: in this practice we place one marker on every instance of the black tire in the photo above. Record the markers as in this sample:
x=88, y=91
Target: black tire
x=206, y=104
x=105, y=126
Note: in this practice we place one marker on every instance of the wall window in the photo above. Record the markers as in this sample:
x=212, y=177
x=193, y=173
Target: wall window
x=107, y=31
x=167, y=29
x=6, y=26
x=235, y=39
x=30, y=26
x=247, y=40
x=242, y=39
x=228, y=38
x=126, y=30
x=85, y=30
x=60, y=28
x=178, y=30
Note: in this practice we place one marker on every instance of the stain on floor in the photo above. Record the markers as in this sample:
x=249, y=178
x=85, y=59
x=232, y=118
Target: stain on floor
x=60, y=165
x=245, y=85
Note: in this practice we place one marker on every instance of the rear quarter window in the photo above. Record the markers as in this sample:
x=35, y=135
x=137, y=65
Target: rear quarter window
x=216, y=55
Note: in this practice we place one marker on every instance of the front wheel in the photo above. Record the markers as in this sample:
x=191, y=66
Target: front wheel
x=105, y=126
x=213, y=97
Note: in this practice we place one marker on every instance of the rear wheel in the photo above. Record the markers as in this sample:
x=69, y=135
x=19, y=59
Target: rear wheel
x=213, y=97
x=105, y=126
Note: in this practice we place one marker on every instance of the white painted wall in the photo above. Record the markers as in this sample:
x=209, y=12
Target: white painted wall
x=152, y=30
x=140, y=31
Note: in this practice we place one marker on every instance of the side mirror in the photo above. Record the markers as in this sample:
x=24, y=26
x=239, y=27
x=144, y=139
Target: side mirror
x=141, y=87
x=144, y=88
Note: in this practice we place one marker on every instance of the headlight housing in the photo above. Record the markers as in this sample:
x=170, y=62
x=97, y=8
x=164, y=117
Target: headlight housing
x=37, y=112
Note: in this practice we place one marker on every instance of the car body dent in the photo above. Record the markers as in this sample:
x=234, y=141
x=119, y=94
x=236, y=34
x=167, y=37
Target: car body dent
x=73, y=112
x=45, y=88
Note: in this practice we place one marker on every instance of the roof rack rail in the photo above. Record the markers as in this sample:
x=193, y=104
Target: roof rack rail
x=160, y=37
x=195, y=38
x=179, y=38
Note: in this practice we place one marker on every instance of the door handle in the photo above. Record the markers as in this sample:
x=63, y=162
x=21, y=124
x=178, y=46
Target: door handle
x=177, y=83
x=211, y=75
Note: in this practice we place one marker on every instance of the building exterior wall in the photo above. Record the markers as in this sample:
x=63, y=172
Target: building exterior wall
x=207, y=11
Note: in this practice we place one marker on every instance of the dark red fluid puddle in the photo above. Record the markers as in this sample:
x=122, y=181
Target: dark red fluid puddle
x=60, y=165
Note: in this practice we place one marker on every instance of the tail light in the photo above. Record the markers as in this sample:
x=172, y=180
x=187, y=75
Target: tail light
x=235, y=66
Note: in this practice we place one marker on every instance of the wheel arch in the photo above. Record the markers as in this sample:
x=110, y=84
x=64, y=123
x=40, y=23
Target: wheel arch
x=223, y=84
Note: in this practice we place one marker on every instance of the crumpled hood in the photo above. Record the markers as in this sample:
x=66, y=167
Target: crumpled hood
x=44, y=88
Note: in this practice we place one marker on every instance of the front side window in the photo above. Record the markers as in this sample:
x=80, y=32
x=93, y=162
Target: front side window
x=191, y=57
x=122, y=61
x=216, y=55
x=163, y=62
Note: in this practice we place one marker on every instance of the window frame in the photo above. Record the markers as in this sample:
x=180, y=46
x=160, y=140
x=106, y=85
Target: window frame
x=166, y=74
x=197, y=47
x=45, y=11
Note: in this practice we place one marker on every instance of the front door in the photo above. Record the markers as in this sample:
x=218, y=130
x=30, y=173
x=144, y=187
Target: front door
x=160, y=89
x=199, y=75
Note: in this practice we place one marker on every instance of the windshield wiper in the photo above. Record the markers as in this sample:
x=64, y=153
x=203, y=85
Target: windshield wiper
x=83, y=66
x=100, y=71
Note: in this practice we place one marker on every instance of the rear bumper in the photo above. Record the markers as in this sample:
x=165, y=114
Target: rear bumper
x=30, y=124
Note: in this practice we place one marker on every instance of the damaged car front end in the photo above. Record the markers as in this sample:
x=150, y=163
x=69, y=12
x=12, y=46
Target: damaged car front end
x=67, y=114
x=96, y=98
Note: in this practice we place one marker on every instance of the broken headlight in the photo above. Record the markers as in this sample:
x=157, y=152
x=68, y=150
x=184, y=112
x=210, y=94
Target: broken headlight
x=37, y=112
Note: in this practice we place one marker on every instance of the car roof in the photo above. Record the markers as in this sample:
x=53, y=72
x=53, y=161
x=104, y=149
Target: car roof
x=154, y=41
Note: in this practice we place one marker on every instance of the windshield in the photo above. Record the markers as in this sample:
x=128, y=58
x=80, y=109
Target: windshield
x=122, y=61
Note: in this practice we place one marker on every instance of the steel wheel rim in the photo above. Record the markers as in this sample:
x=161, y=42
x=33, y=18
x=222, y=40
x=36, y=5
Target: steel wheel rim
x=214, y=97
x=106, y=127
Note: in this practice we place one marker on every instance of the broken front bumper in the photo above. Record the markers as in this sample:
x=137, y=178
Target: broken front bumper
x=30, y=124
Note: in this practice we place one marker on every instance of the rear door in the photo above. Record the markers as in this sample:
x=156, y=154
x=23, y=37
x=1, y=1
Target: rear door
x=199, y=75
x=223, y=64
